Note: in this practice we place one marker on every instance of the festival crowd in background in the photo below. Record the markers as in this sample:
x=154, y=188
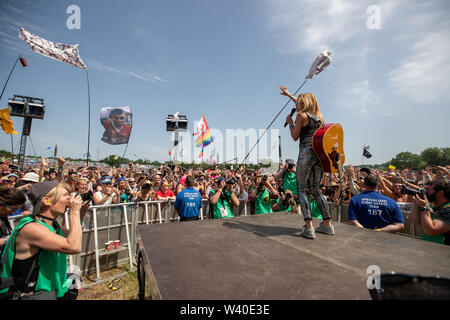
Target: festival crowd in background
x=266, y=192
x=43, y=194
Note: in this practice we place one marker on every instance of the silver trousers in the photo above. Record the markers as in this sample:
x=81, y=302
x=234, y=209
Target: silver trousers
x=309, y=175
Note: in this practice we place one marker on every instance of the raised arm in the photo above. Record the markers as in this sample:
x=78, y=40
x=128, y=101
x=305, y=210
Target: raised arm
x=286, y=93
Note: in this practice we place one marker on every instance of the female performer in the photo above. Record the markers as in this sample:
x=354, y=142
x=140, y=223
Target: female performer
x=309, y=170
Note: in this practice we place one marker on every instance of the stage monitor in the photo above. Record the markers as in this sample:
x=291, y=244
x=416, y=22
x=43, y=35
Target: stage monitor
x=179, y=124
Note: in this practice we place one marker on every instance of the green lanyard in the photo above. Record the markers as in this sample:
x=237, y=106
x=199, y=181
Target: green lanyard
x=442, y=206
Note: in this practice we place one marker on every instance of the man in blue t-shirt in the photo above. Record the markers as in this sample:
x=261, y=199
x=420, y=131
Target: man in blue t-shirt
x=372, y=210
x=188, y=201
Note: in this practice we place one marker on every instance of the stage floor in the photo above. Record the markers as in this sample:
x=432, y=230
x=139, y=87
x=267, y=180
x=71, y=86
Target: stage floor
x=264, y=257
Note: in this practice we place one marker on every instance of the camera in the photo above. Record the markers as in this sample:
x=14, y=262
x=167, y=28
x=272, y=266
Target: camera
x=265, y=178
x=231, y=181
x=412, y=192
x=87, y=196
x=288, y=196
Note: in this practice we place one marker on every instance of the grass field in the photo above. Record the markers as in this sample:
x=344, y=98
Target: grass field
x=123, y=288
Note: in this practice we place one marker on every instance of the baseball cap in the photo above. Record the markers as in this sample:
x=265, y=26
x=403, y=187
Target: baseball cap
x=121, y=179
x=31, y=177
x=290, y=161
x=37, y=192
x=13, y=175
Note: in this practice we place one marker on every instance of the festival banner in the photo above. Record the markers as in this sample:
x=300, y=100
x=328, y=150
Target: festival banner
x=117, y=122
x=63, y=52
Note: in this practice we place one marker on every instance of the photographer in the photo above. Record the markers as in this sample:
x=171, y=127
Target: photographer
x=262, y=193
x=435, y=221
x=146, y=193
x=108, y=194
x=124, y=190
x=222, y=198
x=286, y=203
x=288, y=175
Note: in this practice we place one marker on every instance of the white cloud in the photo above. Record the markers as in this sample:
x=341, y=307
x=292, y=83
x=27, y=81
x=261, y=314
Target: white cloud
x=423, y=74
x=315, y=25
x=140, y=75
x=361, y=97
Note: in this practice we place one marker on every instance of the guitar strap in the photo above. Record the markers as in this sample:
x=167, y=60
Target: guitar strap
x=313, y=118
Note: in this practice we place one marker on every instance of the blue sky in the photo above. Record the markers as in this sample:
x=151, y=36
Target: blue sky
x=388, y=87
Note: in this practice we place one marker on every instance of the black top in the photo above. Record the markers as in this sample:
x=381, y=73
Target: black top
x=20, y=271
x=307, y=132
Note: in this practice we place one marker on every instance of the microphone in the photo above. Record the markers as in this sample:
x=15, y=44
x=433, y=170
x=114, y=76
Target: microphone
x=292, y=113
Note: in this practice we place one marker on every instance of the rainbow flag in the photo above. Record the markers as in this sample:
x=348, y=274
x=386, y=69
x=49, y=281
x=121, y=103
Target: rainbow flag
x=204, y=138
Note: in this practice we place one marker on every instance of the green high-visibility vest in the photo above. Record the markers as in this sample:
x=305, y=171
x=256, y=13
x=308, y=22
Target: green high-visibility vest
x=52, y=265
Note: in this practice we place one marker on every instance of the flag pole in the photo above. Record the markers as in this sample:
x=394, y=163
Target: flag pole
x=7, y=80
x=89, y=118
x=273, y=121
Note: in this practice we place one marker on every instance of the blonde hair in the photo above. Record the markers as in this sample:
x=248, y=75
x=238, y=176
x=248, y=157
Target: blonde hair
x=308, y=103
x=56, y=193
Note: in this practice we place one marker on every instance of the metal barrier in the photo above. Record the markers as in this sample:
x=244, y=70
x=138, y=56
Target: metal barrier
x=118, y=222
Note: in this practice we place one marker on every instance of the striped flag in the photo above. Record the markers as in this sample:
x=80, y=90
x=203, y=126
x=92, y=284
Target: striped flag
x=204, y=138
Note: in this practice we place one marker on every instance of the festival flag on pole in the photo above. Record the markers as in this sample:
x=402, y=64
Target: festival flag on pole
x=391, y=167
x=321, y=62
x=366, y=152
x=6, y=122
x=63, y=52
x=205, y=138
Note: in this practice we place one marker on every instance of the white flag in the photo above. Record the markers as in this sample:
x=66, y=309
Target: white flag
x=321, y=62
x=58, y=51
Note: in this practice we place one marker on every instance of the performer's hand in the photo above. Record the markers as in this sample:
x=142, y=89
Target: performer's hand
x=284, y=92
x=289, y=120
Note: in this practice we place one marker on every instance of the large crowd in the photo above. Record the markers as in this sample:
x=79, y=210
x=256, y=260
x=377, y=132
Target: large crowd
x=104, y=185
x=44, y=192
x=266, y=192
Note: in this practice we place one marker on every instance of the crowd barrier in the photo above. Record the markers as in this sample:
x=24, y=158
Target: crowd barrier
x=118, y=222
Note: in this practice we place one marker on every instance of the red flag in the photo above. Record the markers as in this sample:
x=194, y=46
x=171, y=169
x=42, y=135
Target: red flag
x=170, y=153
x=23, y=62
